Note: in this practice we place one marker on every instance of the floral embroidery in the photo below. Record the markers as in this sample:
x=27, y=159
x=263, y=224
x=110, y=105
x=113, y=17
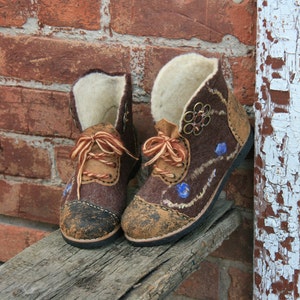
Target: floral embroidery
x=197, y=119
x=221, y=149
x=183, y=190
x=67, y=189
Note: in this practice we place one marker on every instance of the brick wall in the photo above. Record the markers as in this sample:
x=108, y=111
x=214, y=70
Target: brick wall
x=46, y=45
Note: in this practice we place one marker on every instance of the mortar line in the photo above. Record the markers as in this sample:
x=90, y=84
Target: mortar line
x=229, y=46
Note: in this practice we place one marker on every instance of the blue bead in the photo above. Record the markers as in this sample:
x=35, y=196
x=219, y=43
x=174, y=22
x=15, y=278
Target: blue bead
x=221, y=149
x=183, y=190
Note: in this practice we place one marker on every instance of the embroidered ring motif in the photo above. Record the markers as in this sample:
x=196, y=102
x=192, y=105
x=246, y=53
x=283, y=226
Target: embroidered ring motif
x=197, y=119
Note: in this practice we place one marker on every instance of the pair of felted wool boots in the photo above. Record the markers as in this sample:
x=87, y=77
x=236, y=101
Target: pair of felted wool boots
x=202, y=135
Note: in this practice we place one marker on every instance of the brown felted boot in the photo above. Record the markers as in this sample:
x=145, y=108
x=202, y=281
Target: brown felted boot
x=95, y=197
x=203, y=133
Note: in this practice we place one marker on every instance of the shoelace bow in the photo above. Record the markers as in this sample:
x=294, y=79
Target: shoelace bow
x=166, y=148
x=107, y=143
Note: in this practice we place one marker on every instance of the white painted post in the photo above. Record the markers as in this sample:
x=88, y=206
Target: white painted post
x=277, y=154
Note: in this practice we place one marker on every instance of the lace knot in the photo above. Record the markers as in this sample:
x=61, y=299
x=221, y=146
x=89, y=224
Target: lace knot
x=163, y=147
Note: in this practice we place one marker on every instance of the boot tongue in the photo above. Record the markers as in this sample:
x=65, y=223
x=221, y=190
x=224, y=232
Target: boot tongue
x=105, y=127
x=168, y=128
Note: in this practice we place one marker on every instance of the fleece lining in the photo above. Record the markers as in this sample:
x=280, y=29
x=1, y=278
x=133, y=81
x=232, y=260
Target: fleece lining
x=177, y=83
x=97, y=98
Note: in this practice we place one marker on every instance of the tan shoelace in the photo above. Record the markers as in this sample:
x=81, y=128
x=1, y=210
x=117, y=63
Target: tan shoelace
x=108, y=144
x=166, y=148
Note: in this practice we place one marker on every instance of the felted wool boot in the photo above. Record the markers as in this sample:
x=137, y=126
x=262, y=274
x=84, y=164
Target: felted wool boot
x=95, y=197
x=202, y=134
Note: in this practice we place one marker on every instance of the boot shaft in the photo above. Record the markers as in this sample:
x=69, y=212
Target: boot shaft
x=190, y=91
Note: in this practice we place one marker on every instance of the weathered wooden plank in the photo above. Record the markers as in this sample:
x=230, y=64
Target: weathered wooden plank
x=182, y=260
x=52, y=269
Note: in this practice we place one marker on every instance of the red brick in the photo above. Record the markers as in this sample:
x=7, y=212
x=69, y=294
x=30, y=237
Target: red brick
x=65, y=166
x=48, y=113
x=30, y=201
x=241, y=16
x=72, y=13
x=9, y=198
x=14, y=239
x=243, y=74
x=13, y=113
x=206, y=20
x=240, y=186
x=40, y=202
x=239, y=246
x=241, y=285
x=202, y=284
x=15, y=12
x=37, y=112
x=19, y=158
x=52, y=60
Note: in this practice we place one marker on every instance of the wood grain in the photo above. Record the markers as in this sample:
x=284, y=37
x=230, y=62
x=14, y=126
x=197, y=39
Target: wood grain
x=52, y=269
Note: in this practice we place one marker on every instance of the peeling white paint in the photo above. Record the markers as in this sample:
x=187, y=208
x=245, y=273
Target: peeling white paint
x=277, y=260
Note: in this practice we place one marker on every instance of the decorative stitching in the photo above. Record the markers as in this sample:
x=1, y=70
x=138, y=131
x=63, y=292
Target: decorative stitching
x=234, y=106
x=125, y=117
x=219, y=94
x=238, y=124
x=194, y=200
x=95, y=207
x=197, y=172
x=158, y=206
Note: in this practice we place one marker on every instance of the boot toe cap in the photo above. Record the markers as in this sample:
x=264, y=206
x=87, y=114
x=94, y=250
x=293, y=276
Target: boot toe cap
x=85, y=224
x=144, y=222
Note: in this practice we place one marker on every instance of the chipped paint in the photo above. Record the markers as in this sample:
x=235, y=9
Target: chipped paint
x=277, y=163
